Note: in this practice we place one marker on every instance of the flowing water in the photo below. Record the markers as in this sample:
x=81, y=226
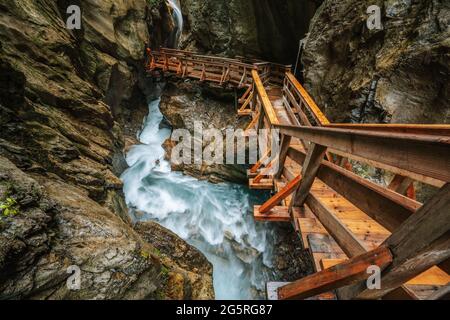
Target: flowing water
x=215, y=218
x=175, y=38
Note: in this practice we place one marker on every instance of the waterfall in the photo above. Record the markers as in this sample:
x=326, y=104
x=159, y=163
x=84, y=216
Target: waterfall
x=215, y=218
x=175, y=38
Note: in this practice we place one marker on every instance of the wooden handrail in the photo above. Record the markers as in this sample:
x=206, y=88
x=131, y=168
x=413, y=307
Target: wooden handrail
x=431, y=129
x=262, y=94
x=422, y=154
x=309, y=102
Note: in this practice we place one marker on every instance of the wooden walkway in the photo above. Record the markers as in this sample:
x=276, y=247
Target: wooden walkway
x=346, y=223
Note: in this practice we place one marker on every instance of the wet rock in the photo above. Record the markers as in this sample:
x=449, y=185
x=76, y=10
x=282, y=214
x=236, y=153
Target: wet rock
x=62, y=227
x=290, y=261
x=185, y=103
x=188, y=274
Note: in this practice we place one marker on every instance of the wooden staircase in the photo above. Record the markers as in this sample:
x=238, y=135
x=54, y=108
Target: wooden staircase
x=347, y=223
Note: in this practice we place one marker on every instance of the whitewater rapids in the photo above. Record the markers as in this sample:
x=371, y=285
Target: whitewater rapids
x=215, y=218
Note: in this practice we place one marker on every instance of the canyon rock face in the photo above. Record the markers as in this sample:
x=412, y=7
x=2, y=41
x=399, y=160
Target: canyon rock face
x=67, y=99
x=186, y=103
x=264, y=29
x=409, y=57
x=187, y=274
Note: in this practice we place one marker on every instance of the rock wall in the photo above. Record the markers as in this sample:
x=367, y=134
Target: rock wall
x=184, y=103
x=409, y=57
x=265, y=29
x=67, y=98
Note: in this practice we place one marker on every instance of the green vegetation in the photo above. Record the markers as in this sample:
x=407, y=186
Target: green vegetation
x=164, y=270
x=9, y=208
x=145, y=254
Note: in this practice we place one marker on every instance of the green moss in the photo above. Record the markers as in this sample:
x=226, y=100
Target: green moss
x=9, y=208
x=164, y=270
x=157, y=252
x=145, y=254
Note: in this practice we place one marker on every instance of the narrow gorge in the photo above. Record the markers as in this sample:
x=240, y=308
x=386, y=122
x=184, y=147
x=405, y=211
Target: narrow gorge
x=86, y=177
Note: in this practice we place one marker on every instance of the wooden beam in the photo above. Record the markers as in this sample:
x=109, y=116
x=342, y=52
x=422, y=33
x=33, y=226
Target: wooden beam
x=260, y=162
x=276, y=214
x=280, y=196
x=312, y=163
x=428, y=129
x=415, y=176
x=400, y=184
x=285, y=143
x=348, y=242
x=420, y=243
x=425, y=155
x=343, y=274
x=267, y=105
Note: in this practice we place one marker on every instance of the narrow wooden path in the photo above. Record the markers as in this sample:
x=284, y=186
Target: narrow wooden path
x=347, y=223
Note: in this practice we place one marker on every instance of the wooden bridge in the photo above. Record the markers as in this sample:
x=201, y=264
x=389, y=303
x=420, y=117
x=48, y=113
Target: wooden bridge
x=347, y=223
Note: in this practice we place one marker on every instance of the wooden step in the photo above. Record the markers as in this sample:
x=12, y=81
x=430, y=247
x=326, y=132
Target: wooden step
x=244, y=113
x=251, y=174
x=277, y=214
x=264, y=184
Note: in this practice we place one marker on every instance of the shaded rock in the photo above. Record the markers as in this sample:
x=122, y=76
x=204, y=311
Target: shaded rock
x=188, y=274
x=185, y=103
x=61, y=227
x=409, y=57
x=264, y=29
x=64, y=98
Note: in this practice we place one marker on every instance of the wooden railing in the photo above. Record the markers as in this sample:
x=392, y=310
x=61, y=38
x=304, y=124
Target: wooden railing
x=420, y=236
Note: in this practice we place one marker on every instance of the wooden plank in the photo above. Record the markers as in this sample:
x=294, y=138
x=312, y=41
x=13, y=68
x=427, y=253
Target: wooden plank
x=267, y=105
x=400, y=184
x=265, y=172
x=311, y=225
x=349, y=243
x=264, y=184
x=442, y=293
x=346, y=273
x=276, y=214
x=312, y=163
x=261, y=161
x=328, y=263
x=323, y=243
x=433, y=276
x=422, y=154
x=420, y=243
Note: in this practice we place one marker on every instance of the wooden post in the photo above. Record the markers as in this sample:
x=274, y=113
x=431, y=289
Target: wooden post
x=285, y=143
x=311, y=165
